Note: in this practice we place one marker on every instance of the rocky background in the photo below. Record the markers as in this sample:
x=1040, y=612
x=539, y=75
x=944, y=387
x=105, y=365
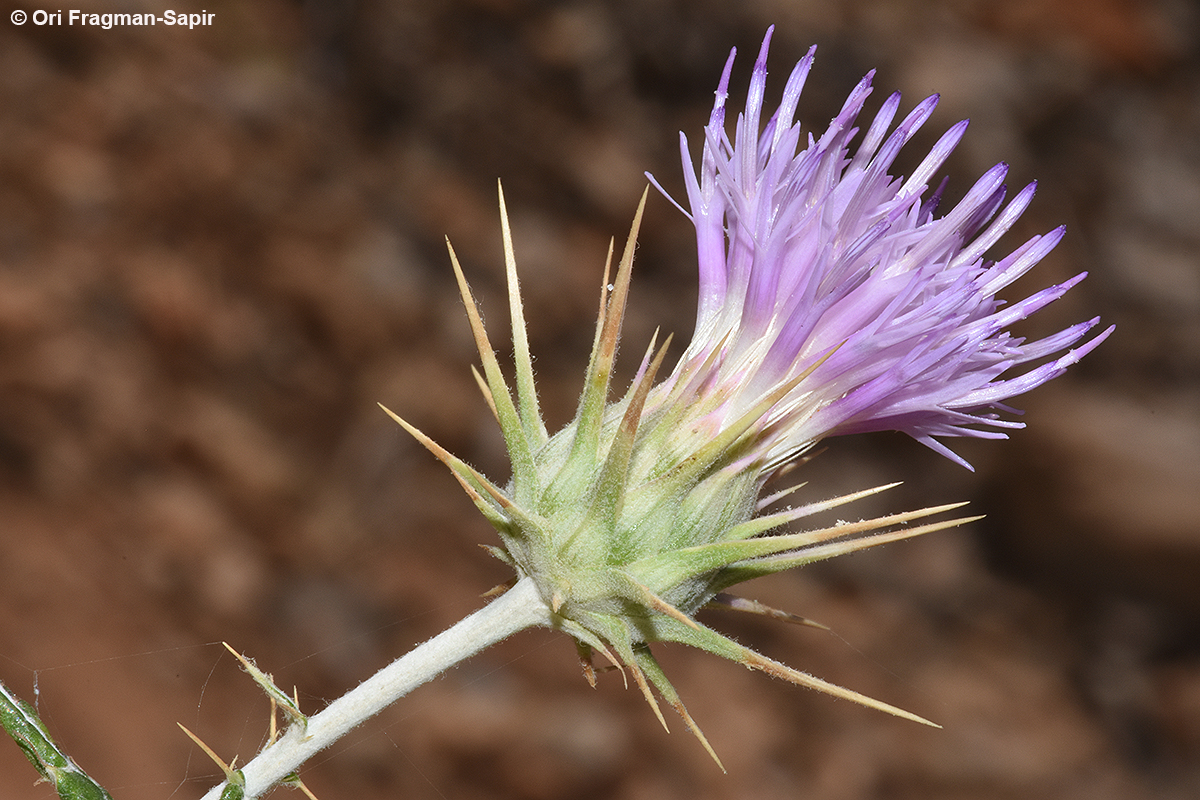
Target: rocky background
x=220, y=247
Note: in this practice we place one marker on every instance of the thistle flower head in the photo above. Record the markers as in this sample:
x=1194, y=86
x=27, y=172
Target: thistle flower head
x=833, y=300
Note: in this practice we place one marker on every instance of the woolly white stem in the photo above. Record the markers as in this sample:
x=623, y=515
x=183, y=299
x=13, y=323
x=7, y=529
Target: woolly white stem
x=519, y=608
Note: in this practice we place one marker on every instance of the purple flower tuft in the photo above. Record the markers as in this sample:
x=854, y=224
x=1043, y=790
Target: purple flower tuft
x=812, y=250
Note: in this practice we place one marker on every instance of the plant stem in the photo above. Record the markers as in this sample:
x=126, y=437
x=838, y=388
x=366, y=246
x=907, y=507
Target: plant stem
x=519, y=608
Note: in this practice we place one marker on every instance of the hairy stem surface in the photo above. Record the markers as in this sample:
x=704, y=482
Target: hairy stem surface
x=519, y=608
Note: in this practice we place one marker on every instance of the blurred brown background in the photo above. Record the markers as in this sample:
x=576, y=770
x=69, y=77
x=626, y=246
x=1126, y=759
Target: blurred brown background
x=219, y=248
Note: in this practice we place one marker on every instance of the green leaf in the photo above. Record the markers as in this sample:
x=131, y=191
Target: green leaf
x=267, y=684
x=21, y=722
